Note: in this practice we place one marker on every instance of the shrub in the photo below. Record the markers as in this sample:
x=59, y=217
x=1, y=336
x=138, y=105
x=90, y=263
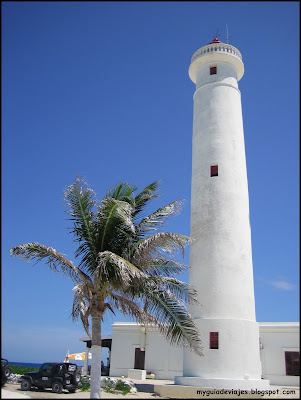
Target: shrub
x=123, y=387
x=110, y=385
x=85, y=387
x=16, y=369
x=85, y=383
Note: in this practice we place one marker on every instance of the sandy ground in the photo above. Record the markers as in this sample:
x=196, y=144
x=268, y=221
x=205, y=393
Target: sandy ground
x=14, y=391
x=10, y=391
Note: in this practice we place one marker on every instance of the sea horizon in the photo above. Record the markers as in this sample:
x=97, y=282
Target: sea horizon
x=24, y=364
x=37, y=365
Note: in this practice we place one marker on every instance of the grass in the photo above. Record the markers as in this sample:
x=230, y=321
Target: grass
x=85, y=387
x=16, y=369
x=120, y=386
x=110, y=387
x=125, y=389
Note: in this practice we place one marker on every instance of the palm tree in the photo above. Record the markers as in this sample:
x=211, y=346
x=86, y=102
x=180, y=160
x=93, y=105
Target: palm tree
x=125, y=264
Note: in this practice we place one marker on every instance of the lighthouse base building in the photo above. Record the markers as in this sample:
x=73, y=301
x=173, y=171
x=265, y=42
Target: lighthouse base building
x=134, y=347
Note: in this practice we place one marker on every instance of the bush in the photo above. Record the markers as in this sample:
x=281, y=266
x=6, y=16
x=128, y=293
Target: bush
x=123, y=387
x=110, y=385
x=85, y=387
x=84, y=383
x=16, y=369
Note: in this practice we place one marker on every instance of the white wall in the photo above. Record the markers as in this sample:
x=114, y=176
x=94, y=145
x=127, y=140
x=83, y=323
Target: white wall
x=125, y=338
x=166, y=361
x=276, y=338
x=163, y=360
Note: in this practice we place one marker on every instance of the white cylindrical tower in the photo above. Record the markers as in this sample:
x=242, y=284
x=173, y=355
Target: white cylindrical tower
x=221, y=255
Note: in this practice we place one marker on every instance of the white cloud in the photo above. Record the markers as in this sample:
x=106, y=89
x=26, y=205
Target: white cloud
x=282, y=284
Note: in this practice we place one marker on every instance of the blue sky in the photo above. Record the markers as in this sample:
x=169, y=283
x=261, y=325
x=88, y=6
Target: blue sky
x=101, y=89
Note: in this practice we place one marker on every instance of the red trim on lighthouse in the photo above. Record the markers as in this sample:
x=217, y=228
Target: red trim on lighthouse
x=215, y=40
x=213, y=340
x=214, y=170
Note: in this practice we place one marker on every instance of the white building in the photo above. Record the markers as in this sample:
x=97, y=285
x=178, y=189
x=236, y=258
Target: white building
x=221, y=268
x=280, y=353
x=133, y=346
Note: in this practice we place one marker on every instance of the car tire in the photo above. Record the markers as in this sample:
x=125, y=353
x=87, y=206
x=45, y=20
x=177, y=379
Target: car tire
x=6, y=371
x=25, y=384
x=57, y=387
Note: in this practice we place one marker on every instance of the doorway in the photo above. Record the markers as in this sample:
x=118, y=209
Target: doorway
x=139, y=358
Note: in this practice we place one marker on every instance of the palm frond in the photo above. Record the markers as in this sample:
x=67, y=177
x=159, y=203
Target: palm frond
x=147, y=194
x=162, y=266
x=119, y=272
x=80, y=307
x=146, y=249
x=56, y=261
x=159, y=217
x=176, y=324
x=79, y=198
x=114, y=219
x=123, y=192
x=182, y=290
x=132, y=309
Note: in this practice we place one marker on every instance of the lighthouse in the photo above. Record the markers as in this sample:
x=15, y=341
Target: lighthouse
x=221, y=266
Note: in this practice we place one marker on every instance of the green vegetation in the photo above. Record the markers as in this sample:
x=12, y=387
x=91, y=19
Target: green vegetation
x=124, y=388
x=111, y=386
x=16, y=369
x=85, y=387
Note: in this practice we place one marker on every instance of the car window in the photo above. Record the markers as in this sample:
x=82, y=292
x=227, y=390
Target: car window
x=61, y=369
x=71, y=368
x=46, y=367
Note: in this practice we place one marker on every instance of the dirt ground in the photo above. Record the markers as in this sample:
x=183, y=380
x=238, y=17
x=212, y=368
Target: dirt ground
x=10, y=391
x=15, y=390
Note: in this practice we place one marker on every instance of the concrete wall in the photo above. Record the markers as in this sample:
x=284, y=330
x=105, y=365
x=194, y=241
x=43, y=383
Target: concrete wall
x=166, y=361
x=276, y=338
x=162, y=359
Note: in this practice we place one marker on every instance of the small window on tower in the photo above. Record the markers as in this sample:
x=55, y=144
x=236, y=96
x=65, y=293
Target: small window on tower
x=212, y=70
x=214, y=170
x=213, y=340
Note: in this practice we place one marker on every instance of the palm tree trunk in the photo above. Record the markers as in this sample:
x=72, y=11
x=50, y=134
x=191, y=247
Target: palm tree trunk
x=95, y=378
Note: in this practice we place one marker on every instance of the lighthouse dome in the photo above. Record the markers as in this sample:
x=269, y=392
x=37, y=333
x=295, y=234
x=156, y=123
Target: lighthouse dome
x=213, y=52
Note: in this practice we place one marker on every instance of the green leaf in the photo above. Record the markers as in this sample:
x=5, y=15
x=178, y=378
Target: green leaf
x=55, y=260
x=159, y=217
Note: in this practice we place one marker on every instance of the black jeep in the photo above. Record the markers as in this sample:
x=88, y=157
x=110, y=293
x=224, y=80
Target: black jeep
x=5, y=371
x=57, y=376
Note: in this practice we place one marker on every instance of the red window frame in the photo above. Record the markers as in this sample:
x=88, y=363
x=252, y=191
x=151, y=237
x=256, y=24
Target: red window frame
x=213, y=340
x=214, y=170
x=213, y=70
x=292, y=363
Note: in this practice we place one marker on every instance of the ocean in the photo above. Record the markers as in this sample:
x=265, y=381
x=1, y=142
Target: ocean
x=22, y=364
x=37, y=365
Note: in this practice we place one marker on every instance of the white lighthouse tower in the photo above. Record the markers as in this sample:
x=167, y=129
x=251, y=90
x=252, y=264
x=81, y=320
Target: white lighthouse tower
x=221, y=255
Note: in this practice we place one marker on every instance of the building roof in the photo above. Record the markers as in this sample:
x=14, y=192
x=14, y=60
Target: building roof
x=86, y=338
x=279, y=324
